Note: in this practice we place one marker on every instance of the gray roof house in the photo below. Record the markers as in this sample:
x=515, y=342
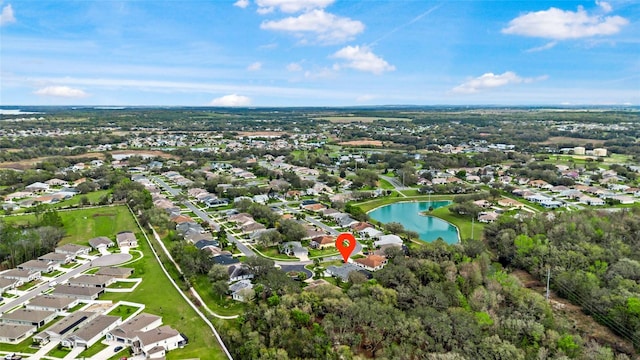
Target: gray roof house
x=127, y=239
x=23, y=316
x=51, y=303
x=37, y=265
x=99, y=281
x=101, y=242
x=127, y=331
x=15, y=333
x=78, y=292
x=73, y=249
x=22, y=275
x=91, y=332
x=64, y=326
x=116, y=272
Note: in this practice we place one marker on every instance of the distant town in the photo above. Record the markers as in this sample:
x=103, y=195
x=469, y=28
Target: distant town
x=211, y=233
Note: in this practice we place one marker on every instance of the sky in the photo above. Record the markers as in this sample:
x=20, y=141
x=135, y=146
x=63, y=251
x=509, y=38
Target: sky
x=319, y=52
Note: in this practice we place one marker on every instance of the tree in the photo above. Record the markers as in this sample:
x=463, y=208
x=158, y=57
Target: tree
x=292, y=230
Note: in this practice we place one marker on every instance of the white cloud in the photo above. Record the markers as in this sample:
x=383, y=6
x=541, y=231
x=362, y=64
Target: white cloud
x=326, y=27
x=61, y=91
x=605, y=6
x=255, y=66
x=293, y=67
x=362, y=59
x=241, y=3
x=491, y=80
x=291, y=6
x=231, y=100
x=559, y=24
x=546, y=46
x=7, y=17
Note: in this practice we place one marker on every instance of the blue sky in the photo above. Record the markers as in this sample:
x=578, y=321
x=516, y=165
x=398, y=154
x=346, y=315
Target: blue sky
x=319, y=52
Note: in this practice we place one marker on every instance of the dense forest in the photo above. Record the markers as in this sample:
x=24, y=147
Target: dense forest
x=592, y=257
x=441, y=302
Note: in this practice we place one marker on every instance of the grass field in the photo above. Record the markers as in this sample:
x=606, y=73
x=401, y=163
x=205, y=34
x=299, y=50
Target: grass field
x=162, y=299
x=463, y=224
x=84, y=224
x=372, y=204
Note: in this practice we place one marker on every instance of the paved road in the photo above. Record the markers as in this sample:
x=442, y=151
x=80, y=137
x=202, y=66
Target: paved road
x=396, y=183
x=204, y=216
x=105, y=260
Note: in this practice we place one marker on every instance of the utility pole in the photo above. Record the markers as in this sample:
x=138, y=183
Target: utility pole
x=473, y=222
x=548, y=278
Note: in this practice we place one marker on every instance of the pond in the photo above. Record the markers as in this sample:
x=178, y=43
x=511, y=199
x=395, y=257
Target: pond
x=409, y=214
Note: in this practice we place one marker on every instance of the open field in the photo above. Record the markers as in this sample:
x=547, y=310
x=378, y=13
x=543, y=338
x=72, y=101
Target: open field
x=362, y=143
x=364, y=119
x=84, y=224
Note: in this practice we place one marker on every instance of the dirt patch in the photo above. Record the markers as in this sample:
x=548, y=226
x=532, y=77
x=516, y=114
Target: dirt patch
x=99, y=214
x=570, y=140
x=362, y=143
x=588, y=328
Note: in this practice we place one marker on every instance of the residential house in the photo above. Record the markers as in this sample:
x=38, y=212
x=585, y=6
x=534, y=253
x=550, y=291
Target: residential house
x=293, y=248
x=126, y=239
x=116, y=272
x=241, y=290
x=92, y=331
x=78, y=292
x=126, y=332
x=37, y=187
x=239, y=272
x=24, y=316
x=65, y=325
x=73, y=249
x=56, y=258
x=343, y=271
x=15, y=333
x=487, y=217
x=57, y=304
x=37, y=265
x=156, y=342
x=370, y=233
x=98, y=281
x=23, y=276
x=323, y=241
x=8, y=284
x=371, y=262
x=101, y=242
x=388, y=240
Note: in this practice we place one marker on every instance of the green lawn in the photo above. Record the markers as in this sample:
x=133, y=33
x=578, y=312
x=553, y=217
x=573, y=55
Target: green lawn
x=84, y=224
x=222, y=306
x=124, y=311
x=323, y=252
x=369, y=205
x=59, y=353
x=464, y=224
x=161, y=298
x=93, y=197
x=122, y=285
x=273, y=252
x=384, y=184
x=94, y=349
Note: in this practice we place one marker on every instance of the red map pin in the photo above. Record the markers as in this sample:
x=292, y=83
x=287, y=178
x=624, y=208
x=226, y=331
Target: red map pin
x=346, y=243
